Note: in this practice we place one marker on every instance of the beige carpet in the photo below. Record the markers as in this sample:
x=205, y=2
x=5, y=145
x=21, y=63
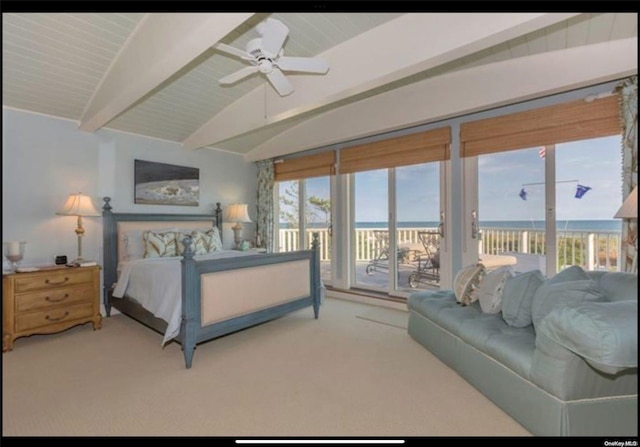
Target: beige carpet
x=336, y=376
x=390, y=317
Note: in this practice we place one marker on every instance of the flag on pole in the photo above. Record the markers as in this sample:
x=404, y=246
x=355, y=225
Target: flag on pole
x=581, y=191
x=542, y=152
x=523, y=194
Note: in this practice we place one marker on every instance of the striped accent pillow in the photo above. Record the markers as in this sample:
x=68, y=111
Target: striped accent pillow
x=204, y=241
x=159, y=245
x=467, y=282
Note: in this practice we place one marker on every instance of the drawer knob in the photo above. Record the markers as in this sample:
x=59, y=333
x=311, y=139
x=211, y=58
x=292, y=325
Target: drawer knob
x=51, y=300
x=57, y=283
x=66, y=314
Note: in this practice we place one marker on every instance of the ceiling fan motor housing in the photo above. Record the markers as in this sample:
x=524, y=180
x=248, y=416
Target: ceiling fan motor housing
x=254, y=47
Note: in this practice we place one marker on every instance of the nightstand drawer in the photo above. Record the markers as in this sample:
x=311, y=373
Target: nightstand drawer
x=35, y=320
x=54, y=297
x=49, y=300
x=50, y=280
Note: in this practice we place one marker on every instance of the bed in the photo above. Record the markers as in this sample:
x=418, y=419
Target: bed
x=193, y=295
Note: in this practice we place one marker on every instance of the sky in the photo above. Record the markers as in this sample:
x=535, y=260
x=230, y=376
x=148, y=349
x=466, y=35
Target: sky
x=594, y=163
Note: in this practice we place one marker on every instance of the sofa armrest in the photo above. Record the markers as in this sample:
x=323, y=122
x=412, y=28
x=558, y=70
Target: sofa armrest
x=605, y=334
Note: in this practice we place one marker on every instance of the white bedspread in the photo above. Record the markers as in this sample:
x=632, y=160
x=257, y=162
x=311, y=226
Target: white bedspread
x=156, y=283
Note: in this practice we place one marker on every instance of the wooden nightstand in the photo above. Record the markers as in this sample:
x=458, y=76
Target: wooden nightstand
x=49, y=300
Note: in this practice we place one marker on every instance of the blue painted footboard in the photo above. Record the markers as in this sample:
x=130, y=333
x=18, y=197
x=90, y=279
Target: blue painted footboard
x=192, y=330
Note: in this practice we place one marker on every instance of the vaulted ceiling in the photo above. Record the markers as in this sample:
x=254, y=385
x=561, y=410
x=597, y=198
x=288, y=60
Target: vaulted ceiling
x=157, y=74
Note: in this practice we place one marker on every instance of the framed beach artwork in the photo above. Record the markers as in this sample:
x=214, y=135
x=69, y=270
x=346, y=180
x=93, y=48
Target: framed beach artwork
x=165, y=184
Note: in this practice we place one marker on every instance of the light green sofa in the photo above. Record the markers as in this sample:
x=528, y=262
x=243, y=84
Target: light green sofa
x=573, y=373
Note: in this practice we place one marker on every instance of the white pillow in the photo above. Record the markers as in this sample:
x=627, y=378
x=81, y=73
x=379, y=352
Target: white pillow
x=466, y=283
x=492, y=288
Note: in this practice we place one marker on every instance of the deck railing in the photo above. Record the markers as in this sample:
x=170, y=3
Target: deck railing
x=591, y=250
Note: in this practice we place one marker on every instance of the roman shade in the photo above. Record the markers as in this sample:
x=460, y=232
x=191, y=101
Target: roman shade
x=560, y=123
x=316, y=165
x=420, y=147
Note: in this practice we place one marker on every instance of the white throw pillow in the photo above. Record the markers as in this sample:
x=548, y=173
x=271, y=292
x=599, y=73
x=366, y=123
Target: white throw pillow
x=492, y=288
x=466, y=283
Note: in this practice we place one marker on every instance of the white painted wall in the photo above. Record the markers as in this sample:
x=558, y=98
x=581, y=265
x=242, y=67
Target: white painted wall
x=45, y=159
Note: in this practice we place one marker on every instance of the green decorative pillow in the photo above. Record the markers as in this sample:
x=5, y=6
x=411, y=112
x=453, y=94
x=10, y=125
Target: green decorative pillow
x=466, y=283
x=160, y=245
x=552, y=295
x=517, y=297
x=604, y=333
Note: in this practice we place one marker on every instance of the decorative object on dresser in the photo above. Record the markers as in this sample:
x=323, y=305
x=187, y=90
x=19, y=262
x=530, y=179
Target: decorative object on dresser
x=79, y=205
x=238, y=213
x=49, y=300
x=14, y=252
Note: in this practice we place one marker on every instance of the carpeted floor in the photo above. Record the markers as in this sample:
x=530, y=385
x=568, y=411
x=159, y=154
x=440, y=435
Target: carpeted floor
x=339, y=375
x=391, y=317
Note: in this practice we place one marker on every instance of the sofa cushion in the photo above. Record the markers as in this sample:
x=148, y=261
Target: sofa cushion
x=442, y=308
x=605, y=334
x=551, y=295
x=491, y=289
x=517, y=296
x=572, y=273
x=466, y=283
x=619, y=286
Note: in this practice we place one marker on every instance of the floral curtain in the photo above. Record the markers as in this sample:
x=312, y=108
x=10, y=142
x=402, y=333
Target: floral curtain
x=628, y=91
x=264, y=224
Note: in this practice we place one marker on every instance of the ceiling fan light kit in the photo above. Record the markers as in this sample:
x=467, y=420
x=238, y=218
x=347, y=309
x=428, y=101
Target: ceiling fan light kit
x=266, y=56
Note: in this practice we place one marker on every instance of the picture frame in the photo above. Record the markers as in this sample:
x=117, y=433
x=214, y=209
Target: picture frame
x=165, y=184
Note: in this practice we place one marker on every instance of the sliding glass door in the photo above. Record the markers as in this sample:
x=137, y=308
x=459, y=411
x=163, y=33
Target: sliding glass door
x=304, y=207
x=551, y=207
x=370, y=251
x=396, y=252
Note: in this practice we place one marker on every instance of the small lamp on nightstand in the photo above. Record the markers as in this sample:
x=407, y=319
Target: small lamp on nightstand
x=79, y=205
x=238, y=213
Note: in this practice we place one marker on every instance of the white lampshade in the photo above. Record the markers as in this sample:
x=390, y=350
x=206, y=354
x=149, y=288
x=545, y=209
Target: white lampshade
x=79, y=205
x=237, y=212
x=629, y=209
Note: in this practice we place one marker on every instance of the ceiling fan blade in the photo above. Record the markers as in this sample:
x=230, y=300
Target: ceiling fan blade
x=274, y=33
x=306, y=64
x=233, y=51
x=280, y=82
x=238, y=75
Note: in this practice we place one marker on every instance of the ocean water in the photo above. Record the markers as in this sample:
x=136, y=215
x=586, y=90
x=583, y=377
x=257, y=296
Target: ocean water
x=561, y=225
x=602, y=225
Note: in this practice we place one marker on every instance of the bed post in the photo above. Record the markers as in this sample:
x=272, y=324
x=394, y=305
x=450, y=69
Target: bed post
x=110, y=253
x=190, y=299
x=315, y=273
x=218, y=213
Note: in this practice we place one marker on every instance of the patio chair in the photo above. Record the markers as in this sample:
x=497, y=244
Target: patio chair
x=381, y=253
x=427, y=263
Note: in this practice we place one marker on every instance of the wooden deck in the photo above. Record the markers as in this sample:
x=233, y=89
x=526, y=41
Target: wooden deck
x=379, y=277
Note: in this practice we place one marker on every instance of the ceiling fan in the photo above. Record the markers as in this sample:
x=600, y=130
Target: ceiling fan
x=266, y=56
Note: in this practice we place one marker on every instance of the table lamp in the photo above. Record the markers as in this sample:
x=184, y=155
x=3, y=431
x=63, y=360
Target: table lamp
x=79, y=205
x=238, y=213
